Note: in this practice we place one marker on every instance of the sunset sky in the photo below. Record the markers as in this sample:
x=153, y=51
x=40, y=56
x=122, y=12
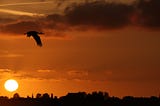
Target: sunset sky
x=88, y=45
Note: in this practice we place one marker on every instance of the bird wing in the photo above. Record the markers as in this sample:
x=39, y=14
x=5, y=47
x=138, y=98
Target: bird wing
x=37, y=39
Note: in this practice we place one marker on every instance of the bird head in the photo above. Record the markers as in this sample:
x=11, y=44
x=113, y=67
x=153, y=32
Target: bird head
x=28, y=35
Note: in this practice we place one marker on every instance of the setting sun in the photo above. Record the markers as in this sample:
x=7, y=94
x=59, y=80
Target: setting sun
x=11, y=85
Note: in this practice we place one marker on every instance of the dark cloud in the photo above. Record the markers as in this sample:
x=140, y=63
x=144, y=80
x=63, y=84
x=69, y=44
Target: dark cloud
x=20, y=27
x=107, y=15
x=6, y=20
x=148, y=13
x=96, y=14
x=56, y=22
x=99, y=13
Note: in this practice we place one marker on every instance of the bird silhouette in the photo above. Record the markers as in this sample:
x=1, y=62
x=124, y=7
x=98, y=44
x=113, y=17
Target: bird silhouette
x=34, y=34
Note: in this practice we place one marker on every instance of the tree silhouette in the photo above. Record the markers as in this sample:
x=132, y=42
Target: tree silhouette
x=16, y=96
x=38, y=95
x=79, y=99
x=45, y=96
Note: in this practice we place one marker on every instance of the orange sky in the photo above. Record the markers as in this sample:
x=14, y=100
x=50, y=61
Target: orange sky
x=90, y=46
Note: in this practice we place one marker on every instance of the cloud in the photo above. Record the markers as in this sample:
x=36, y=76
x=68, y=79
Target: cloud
x=6, y=54
x=46, y=74
x=5, y=71
x=6, y=20
x=20, y=27
x=148, y=13
x=99, y=13
x=76, y=73
x=106, y=15
x=93, y=15
x=26, y=3
x=22, y=13
x=44, y=71
x=41, y=74
x=60, y=2
x=11, y=55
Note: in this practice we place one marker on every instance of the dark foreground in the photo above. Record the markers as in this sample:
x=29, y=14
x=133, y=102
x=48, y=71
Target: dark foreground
x=79, y=99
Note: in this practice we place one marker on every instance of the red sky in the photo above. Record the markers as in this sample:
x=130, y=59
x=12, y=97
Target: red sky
x=87, y=46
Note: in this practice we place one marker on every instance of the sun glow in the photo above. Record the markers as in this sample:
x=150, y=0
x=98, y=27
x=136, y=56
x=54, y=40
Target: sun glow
x=11, y=85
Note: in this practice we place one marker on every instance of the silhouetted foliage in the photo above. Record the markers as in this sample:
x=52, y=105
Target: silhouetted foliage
x=16, y=96
x=38, y=95
x=45, y=96
x=79, y=99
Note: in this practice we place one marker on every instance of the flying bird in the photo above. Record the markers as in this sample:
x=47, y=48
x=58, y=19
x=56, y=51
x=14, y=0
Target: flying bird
x=34, y=34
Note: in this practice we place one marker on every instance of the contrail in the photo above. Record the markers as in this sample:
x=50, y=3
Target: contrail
x=14, y=12
x=30, y=3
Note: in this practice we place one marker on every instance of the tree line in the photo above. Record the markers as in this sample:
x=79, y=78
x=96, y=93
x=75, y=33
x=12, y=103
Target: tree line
x=79, y=99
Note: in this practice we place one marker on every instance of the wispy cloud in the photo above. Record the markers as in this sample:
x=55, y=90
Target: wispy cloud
x=44, y=74
x=28, y=3
x=7, y=73
x=23, y=13
x=45, y=71
x=16, y=12
x=76, y=73
x=5, y=70
x=10, y=55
